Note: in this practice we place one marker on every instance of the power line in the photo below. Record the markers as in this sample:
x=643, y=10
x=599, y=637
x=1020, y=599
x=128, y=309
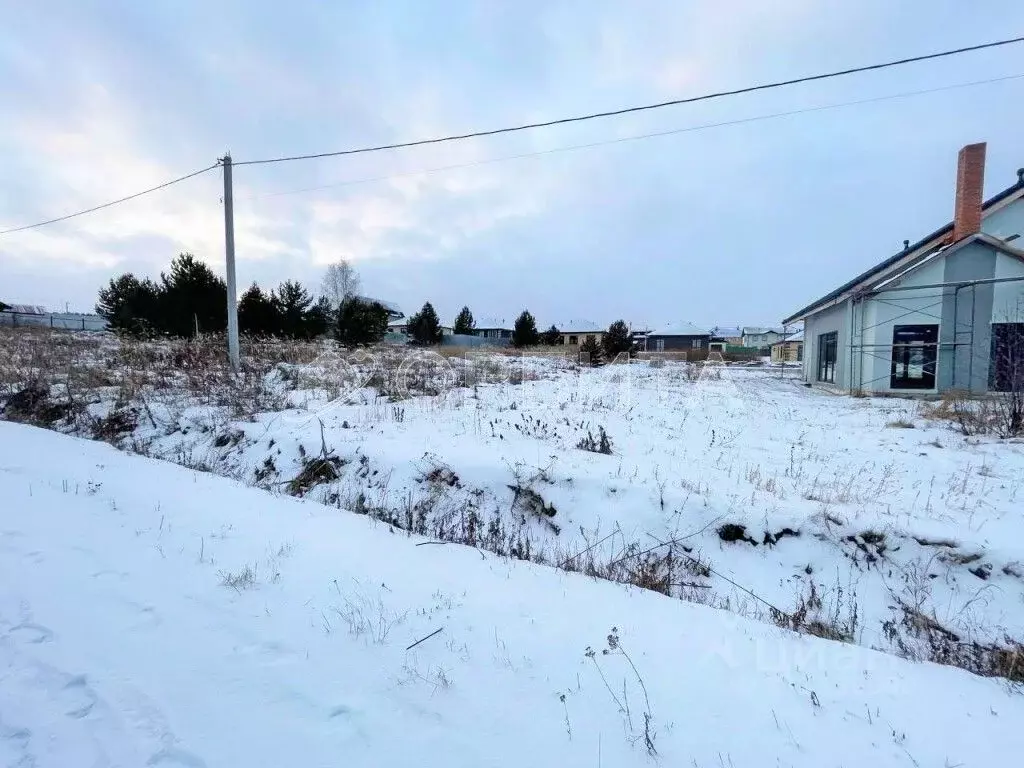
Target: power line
x=112, y=202
x=642, y=108
x=638, y=137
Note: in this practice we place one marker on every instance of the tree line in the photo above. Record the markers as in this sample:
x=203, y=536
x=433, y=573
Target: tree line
x=190, y=299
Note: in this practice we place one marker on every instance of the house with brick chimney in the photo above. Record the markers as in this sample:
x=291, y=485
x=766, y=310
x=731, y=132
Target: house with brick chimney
x=944, y=313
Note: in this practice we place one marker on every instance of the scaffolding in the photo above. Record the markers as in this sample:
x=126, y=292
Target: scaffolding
x=963, y=334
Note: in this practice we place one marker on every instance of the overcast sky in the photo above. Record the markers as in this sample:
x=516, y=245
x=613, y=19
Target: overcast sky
x=738, y=224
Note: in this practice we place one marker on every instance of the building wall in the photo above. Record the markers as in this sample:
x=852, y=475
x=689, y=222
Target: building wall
x=787, y=352
x=832, y=319
x=676, y=343
x=577, y=338
x=963, y=315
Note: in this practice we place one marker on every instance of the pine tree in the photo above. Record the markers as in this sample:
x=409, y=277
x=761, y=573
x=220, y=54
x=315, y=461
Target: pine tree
x=292, y=303
x=617, y=340
x=257, y=313
x=551, y=337
x=191, y=296
x=524, y=332
x=425, y=327
x=590, y=352
x=130, y=305
x=360, y=323
x=319, y=318
x=464, y=323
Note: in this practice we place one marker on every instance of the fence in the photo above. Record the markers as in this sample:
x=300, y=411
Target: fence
x=465, y=340
x=69, y=321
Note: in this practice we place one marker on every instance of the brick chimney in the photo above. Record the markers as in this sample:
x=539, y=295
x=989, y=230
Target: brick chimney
x=970, y=182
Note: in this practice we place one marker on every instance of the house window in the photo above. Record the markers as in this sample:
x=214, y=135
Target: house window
x=659, y=345
x=914, y=356
x=695, y=344
x=1006, y=369
x=828, y=349
x=574, y=340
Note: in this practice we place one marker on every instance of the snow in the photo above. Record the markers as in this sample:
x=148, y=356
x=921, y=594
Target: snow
x=887, y=516
x=121, y=645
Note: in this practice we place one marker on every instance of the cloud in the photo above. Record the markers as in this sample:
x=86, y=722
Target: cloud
x=105, y=104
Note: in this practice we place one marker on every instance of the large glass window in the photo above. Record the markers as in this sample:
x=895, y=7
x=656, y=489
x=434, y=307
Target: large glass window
x=914, y=356
x=828, y=353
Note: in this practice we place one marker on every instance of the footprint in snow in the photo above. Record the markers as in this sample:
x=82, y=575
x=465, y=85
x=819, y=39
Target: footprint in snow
x=172, y=756
x=79, y=696
x=31, y=633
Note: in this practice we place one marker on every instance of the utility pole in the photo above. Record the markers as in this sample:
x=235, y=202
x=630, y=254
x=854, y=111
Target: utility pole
x=229, y=253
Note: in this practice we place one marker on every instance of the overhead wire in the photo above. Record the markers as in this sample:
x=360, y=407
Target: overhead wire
x=124, y=199
x=636, y=137
x=562, y=121
x=640, y=108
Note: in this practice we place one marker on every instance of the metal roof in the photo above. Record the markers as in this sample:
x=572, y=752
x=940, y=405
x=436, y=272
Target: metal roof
x=390, y=306
x=26, y=309
x=679, y=329
x=934, y=239
x=579, y=326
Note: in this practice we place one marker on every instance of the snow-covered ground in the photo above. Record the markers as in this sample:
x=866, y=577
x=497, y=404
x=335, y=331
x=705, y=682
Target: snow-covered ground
x=151, y=614
x=858, y=508
x=734, y=486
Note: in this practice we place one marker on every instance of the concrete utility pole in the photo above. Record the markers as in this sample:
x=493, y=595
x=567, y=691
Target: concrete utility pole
x=229, y=253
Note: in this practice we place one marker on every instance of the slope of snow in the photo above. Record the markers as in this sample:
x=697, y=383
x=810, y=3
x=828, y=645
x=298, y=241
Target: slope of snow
x=122, y=644
x=887, y=516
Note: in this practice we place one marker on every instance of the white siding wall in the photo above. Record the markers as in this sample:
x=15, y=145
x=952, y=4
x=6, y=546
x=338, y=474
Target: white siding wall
x=1008, y=298
x=878, y=315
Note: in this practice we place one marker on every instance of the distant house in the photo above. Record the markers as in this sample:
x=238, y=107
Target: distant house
x=726, y=335
x=492, y=328
x=394, y=311
x=575, y=332
x=402, y=327
x=944, y=313
x=789, y=349
x=682, y=336
x=760, y=338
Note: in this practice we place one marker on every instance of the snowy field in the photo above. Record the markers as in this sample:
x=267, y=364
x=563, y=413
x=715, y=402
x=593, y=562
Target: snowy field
x=868, y=521
x=151, y=614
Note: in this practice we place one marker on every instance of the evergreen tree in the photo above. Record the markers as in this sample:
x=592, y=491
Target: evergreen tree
x=130, y=305
x=319, y=318
x=257, y=313
x=590, y=352
x=190, y=296
x=524, y=332
x=360, y=323
x=292, y=303
x=618, y=339
x=464, y=323
x=551, y=337
x=425, y=327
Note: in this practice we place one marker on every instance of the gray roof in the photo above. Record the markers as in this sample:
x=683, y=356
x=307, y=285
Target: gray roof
x=935, y=239
x=390, y=306
x=757, y=330
x=729, y=333
x=26, y=309
x=679, y=329
x=579, y=326
x=492, y=323
x=798, y=336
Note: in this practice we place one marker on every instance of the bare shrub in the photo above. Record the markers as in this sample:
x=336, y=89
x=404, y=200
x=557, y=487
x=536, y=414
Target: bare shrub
x=837, y=621
x=243, y=579
x=600, y=444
